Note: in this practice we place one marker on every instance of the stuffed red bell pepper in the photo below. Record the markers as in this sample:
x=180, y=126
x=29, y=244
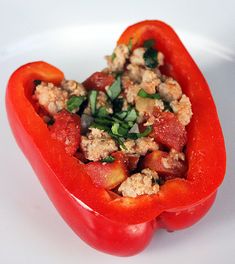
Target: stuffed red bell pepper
x=135, y=147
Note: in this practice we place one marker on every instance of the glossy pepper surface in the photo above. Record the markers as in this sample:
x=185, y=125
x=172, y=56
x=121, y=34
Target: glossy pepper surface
x=123, y=226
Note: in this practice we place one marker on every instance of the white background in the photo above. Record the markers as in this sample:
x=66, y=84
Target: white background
x=74, y=35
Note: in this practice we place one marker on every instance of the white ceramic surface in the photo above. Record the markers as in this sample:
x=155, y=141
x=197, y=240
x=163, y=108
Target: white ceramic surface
x=74, y=35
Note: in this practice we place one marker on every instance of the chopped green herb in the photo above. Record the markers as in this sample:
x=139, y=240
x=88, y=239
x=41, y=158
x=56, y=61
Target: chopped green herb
x=75, y=102
x=92, y=100
x=149, y=43
x=130, y=124
x=113, y=56
x=118, y=139
x=130, y=44
x=102, y=112
x=150, y=58
x=123, y=131
x=140, y=135
x=132, y=136
x=104, y=121
x=131, y=116
x=108, y=159
x=118, y=130
x=82, y=107
x=117, y=125
x=109, y=121
x=143, y=94
x=121, y=122
x=146, y=132
x=121, y=115
x=115, y=89
x=126, y=116
x=122, y=145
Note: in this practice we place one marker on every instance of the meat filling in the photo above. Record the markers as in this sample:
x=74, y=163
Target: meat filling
x=132, y=117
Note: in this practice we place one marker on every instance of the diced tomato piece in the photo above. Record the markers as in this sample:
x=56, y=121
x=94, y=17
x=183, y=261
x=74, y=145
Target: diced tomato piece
x=169, y=131
x=66, y=129
x=142, y=128
x=98, y=81
x=120, y=156
x=162, y=163
x=130, y=161
x=107, y=175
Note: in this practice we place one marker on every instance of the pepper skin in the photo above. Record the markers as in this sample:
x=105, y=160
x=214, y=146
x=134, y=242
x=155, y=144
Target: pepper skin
x=123, y=226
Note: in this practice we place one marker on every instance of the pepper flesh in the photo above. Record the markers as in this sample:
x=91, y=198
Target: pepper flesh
x=123, y=226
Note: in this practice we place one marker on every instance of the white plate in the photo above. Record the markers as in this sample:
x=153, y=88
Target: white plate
x=75, y=37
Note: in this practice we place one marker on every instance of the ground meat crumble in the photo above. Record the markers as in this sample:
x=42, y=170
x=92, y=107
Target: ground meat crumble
x=97, y=145
x=139, y=184
x=54, y=98
x=140, y=146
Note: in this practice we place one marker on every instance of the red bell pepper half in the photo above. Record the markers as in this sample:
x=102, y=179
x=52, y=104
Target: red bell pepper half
x=120, y=225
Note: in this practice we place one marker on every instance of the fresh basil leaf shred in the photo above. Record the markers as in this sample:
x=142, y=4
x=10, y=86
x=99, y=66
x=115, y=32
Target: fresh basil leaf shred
x=149, y=43
x=118, y=139
x=144, y=94
x=82, y=107
x=103, y=121
x=132, y=136
x=121, y=122
x=115, y=89
x=108, y=159
x=121, y=115
x=130, y=124
x=123, y=130
x=102, y=112
x=126, y=126
x=115, y=128
x=131, y=116
x=74, y=102
x=119, y=130
x=92, y=100
x=122, y=145
x=146, y=132
x=109, y=121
